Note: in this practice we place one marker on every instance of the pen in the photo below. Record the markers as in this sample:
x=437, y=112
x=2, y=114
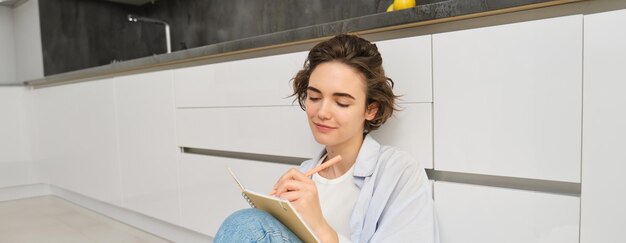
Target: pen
x=323, y=166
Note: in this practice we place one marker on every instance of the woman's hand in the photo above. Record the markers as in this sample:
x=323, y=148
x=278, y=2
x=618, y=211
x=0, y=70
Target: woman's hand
x=301, y=191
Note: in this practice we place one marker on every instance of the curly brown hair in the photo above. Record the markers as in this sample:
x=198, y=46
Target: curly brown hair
x=364, y=57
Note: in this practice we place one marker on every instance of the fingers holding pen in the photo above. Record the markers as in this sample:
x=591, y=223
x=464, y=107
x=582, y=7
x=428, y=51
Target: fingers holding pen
x=285, y=176
x=302, y=195
x=294, y=174
x=289, y=187
x=292, y=180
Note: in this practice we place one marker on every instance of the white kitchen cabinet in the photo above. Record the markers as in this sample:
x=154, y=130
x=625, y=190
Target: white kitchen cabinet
x=408, y=62
x=472, y=213
x=281, y=130
x=75, y=139
x=410, y=130
x=507, y=99
x=209, y=194
x=147, y=144
x=263, y=81
x=603, y=215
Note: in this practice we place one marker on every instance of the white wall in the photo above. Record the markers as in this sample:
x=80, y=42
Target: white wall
x=29, y=59
x=7, y=46
x=16, y=167
x=16, y=164
x=21, y=56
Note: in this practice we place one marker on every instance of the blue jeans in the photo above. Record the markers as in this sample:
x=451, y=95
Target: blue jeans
x=253, y=225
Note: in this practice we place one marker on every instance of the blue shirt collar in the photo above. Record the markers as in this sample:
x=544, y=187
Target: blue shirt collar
x=367, y=158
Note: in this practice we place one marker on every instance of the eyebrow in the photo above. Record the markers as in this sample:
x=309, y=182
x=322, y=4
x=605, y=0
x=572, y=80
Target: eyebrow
x=334, y=94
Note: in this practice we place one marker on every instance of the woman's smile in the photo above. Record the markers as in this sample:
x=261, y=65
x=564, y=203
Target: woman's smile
x=324, y=128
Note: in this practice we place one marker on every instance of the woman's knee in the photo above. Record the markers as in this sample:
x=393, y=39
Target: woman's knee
x=245, y=223
x=253, y=225
x=248, y=215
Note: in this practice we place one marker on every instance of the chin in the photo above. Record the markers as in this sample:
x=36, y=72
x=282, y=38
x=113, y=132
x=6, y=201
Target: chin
x=320, y=139
x=323, y=139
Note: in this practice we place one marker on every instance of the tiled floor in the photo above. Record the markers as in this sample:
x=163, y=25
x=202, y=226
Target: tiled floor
x=51, y=219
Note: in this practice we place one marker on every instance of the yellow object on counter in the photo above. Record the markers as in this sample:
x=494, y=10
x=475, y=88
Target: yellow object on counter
x=390, y=8
x=401, y=4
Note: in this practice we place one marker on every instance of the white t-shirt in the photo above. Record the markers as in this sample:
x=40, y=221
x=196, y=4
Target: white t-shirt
x=337, y=198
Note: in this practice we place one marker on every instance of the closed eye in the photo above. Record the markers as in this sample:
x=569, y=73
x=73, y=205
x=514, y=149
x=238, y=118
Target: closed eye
x=342, y=105
x=314, y=98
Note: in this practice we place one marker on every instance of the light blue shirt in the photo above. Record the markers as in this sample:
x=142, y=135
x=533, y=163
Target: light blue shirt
x=395, y=203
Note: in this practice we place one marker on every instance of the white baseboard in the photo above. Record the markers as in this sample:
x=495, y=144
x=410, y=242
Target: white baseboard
x=24, y=191
x=154, y=226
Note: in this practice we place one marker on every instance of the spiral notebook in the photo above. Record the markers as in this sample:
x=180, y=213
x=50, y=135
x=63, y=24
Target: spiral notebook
x=281, y=209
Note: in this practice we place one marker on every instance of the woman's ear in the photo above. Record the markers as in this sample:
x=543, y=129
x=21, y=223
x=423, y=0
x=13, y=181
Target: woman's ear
x=370, y=112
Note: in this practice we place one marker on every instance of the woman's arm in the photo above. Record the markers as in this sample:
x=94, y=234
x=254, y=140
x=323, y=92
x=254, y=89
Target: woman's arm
x=408, y=214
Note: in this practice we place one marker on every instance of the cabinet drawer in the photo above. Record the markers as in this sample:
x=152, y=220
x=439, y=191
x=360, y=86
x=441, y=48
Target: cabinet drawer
x=470, y=213
x=507, y=99
x=282, y=131
x=408, y=62
x=209, y=194
x=259, y=81
x=410, y=130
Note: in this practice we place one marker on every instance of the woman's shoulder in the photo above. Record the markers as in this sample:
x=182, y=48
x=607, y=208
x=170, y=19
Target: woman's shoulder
x=391, y=160
x=393, y=157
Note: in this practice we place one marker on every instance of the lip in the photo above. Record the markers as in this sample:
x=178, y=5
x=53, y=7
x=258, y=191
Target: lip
x=323, y=128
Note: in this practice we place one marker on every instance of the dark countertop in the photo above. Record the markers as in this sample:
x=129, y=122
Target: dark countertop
x=438, y=12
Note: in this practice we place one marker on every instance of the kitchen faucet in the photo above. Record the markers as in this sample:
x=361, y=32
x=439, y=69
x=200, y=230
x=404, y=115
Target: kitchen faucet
x=135, y=18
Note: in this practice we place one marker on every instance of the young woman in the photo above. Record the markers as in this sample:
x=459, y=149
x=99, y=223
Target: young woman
x=375, y=193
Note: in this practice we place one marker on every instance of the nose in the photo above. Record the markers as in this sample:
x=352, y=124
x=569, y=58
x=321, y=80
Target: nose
x=323, y=112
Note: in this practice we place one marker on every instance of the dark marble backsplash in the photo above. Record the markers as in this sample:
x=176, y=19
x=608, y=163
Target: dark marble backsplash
x=78, y=34
x=197, y=23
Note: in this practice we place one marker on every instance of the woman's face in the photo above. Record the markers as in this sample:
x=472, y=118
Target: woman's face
x=335, y=104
